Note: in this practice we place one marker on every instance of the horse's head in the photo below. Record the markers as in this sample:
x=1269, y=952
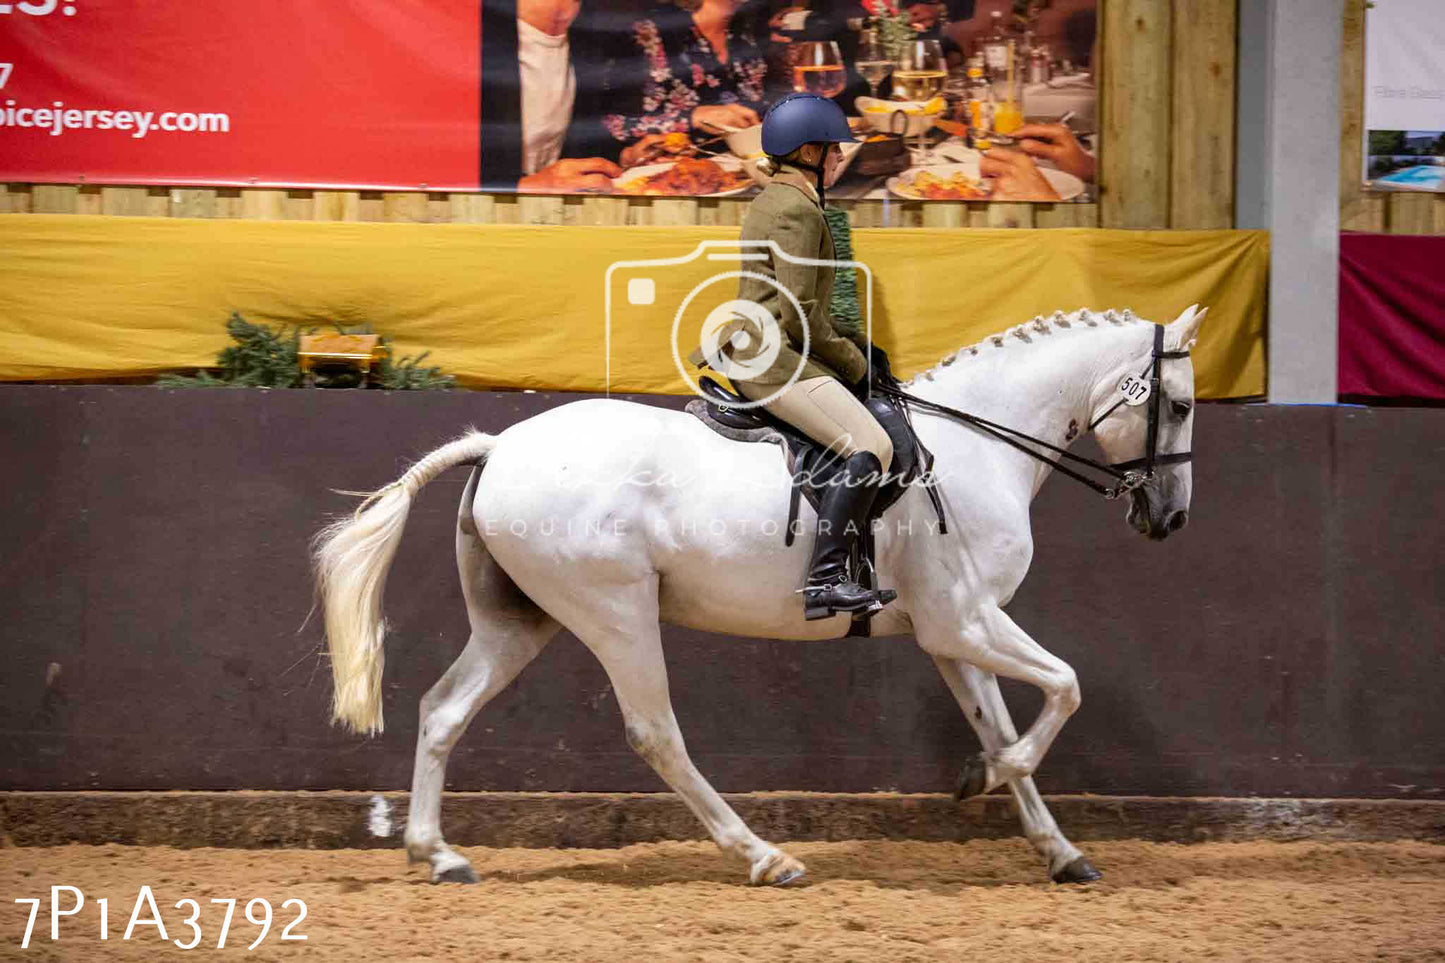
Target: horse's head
x=1160, y=505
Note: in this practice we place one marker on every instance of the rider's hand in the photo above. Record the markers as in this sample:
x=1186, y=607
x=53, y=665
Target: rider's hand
x=1057, y=143
x=713, y=118
x=584, y=174
x=1017, y=177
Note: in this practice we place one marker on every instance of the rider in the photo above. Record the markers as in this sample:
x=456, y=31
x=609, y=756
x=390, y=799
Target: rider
x=801, y=133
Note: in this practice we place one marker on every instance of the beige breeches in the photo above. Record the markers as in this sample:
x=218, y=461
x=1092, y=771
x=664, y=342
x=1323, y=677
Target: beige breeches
x=826, y=411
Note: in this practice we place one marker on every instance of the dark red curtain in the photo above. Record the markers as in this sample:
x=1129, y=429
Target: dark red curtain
x=1392, y=315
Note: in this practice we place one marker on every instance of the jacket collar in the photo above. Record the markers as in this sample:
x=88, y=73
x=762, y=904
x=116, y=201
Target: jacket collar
x=795, y=178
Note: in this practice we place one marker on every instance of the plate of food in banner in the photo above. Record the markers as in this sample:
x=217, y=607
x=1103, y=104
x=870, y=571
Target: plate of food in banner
x=962, y=182
x=944, y=182
x=686, y=177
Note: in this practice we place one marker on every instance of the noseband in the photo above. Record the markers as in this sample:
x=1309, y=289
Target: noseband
x=1133, y=476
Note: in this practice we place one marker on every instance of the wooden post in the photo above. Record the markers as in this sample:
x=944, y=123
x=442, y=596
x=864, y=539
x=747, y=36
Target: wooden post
x=54, y=199
x=945, y=214
x=1360, y=210
x=405, y=206
x=1008, y=215
x=134, y=202
x=337, y=206
x=1411, y=213
x=193, y=203
x=1066, y=215
x=263, y=205
x=673, y=211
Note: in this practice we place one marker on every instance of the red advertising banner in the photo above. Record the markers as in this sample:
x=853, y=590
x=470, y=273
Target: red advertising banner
x=946, y=99
x=380, y=94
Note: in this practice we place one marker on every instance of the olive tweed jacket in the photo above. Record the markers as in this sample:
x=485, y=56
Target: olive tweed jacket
x=787, y=213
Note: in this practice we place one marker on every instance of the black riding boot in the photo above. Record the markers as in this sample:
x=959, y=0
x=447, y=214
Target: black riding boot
x=841, y=517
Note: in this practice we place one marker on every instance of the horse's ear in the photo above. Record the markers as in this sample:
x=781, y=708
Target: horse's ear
x=1186, y=327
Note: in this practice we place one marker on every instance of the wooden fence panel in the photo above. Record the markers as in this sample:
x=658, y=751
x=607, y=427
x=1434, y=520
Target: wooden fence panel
x=54, y=199
x=89, y=200
x=1136, y=106
x=1066, y=215
x=263, y=204
x=1360, y=210
x=1201, y=194
x=190, y=202
x=339, y=206
x=1412, y=213
x=135, y=201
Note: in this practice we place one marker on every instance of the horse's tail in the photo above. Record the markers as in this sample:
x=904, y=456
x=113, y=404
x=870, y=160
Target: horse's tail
x=352, y=557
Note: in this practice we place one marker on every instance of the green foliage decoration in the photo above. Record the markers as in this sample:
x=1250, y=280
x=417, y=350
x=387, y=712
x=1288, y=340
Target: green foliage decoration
x=263, y=357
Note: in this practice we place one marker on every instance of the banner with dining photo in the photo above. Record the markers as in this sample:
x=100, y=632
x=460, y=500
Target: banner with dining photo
x=1405, y=96
x=950, y=100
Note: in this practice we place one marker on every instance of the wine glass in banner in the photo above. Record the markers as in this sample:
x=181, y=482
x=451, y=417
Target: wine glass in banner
x=818, y=68
x=873, y=62
x=918, y=78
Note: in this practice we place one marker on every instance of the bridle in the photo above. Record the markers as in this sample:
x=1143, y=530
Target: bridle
x=1130, y=474
x=1151, y=437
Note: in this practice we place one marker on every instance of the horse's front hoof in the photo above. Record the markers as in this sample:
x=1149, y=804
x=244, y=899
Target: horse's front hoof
x=972, y=779
x=457, y=874
x=1078, y=870
x=778, y=870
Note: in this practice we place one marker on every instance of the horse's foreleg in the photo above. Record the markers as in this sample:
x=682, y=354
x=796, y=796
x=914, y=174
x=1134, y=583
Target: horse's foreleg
x=978, y=695
x=508, y=631
x=990, y=640
x=621, y=628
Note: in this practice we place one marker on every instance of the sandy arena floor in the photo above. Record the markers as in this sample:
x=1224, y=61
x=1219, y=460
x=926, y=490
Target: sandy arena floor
x=863, y=901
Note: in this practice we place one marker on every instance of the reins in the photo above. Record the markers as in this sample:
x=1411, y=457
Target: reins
x=1128, y=473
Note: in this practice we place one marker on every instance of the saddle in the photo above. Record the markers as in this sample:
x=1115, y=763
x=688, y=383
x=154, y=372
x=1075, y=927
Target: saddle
x=812, y=466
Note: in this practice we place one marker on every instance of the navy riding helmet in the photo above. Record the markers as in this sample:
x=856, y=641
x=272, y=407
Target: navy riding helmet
x=800, y=119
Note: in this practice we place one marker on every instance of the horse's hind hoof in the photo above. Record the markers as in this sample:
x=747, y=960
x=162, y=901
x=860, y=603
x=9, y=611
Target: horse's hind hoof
x=458, y=874
x=1078, y=870
x=972, y=780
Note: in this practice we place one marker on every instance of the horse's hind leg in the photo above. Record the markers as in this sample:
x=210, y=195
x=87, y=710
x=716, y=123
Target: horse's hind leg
x=978, y=695
x=620, y=625
x=508, y=630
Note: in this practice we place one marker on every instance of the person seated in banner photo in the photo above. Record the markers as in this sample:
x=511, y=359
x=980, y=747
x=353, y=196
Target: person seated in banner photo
x=931, y=21
x=695, y=66
x=842, y=21
x=541, y=76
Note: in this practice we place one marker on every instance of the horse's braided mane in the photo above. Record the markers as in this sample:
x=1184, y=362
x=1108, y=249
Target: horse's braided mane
x=1025, y=332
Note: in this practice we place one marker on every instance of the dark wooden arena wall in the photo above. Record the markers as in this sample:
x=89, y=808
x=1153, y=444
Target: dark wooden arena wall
x=154, y=583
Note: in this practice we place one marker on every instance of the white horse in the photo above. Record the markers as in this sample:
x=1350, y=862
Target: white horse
x=610, y=517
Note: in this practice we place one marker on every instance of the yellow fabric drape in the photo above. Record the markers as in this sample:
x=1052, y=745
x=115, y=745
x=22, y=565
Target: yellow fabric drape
x=509, y=306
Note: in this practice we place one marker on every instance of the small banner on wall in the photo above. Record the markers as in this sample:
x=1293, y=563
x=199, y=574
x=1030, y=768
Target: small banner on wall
x=1405, y=95
x=950, y=100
